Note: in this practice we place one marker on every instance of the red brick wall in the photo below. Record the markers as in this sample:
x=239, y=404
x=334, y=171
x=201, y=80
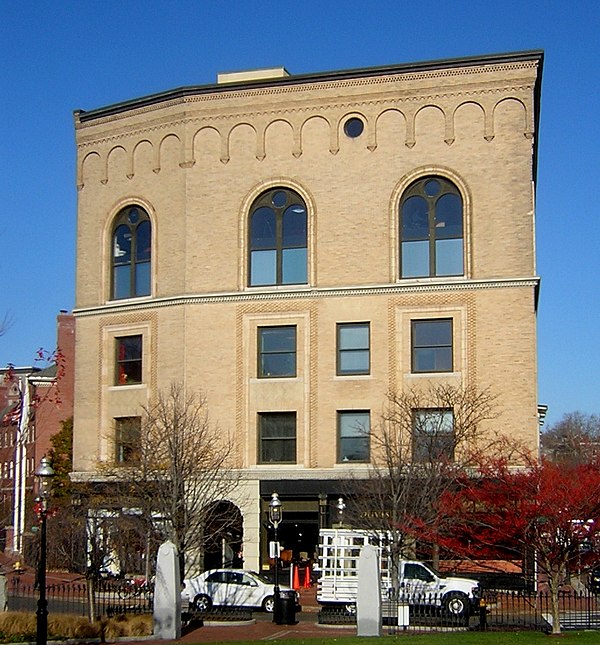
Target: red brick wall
x=56, y=401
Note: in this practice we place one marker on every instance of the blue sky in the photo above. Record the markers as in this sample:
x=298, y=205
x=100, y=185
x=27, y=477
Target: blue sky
x=65, y=55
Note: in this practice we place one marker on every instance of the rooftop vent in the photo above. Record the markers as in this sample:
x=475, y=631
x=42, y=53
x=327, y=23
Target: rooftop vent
x=252, y=75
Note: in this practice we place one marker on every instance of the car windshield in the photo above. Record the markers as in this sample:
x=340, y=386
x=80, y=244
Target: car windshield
x=435, y=572
x=429, y=568
x=259, y=577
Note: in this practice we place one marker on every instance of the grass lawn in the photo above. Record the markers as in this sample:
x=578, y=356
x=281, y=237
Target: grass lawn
x=463, y=638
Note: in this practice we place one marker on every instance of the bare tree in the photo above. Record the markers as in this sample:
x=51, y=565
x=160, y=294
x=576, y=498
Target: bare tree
x=575, y=439
x=5, y=323
x=425, y=439
x=179, y=471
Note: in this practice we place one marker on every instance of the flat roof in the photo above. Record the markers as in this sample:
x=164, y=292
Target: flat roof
x=319, y=77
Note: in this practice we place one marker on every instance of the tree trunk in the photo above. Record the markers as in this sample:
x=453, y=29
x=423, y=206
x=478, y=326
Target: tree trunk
x=91, y=598
x=435, y=556
x=147, y=567
x=553, y=584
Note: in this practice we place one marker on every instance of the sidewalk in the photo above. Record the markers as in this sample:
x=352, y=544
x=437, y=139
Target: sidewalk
x=263, y=628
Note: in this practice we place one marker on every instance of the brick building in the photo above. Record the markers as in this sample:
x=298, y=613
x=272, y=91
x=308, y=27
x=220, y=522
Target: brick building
x=297, y=246
x=34, y=401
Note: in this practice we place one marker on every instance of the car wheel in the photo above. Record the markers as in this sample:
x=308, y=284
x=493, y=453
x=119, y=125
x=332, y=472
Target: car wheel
x=202, y=603
x=268, y=604
x=456, y=604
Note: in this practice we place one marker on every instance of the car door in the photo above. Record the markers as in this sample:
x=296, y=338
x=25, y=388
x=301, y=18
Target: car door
x=419, y=584
x=254, y=590
x=236, y=589
x=216, y=587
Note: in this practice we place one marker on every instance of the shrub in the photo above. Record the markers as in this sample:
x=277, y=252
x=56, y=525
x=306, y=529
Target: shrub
x=21, y=626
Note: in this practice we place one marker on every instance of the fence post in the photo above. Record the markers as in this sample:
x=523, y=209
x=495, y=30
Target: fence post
x=482, y=615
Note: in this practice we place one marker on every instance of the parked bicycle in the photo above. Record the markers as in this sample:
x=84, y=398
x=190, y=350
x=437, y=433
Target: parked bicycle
x=135, y=588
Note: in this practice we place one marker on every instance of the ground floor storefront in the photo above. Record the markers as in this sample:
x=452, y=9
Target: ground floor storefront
x=308, y=505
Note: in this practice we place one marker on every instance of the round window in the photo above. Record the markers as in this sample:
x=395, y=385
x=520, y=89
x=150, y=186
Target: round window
x=432, y=187
x=354, y=127
x=279, y=199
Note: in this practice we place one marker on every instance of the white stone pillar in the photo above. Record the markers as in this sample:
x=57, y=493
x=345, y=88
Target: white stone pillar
x=167, y=593
x=368, y=598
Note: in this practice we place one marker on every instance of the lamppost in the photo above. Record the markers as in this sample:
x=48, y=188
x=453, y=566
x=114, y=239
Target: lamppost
x=322, y=510
x=340, y=507
x=44, y=474
x=275, y=513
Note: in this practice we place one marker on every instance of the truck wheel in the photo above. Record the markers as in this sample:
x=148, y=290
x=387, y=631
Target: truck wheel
x=456, y=604
x=202, y=602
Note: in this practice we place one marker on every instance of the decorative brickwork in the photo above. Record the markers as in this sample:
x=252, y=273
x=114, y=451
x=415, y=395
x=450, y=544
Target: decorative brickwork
x=449, y=105
x=197, y=159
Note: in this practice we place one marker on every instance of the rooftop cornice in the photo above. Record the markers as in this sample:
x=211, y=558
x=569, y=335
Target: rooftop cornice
x=302, y=79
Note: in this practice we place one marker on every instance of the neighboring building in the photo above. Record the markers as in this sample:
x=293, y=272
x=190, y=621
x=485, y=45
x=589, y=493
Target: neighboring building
x=33, y=403
x=297, y=246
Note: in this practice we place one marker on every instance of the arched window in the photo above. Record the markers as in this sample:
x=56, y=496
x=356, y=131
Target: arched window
x=277, y=239
x=431, y=229
x=131, y=254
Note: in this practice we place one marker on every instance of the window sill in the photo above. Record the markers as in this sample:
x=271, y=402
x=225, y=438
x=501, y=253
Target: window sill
x=418, y=375
x=270, y=378
x=276, y=464
x=279, y=287
x=127, y=386
x=276, y=379
x=362, y=465
x=345, y=377
x=123, y=301
x=432, y=278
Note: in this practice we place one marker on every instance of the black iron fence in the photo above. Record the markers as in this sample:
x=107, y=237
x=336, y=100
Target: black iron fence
x=218, y=614
x=109, y=597
x=522, y=610
x=497, y=611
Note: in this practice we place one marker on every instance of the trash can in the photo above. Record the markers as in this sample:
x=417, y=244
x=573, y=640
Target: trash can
x=285, y=614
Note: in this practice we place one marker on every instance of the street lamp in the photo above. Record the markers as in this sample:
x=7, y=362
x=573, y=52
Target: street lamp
x=322, y=510
x=275, y=513
x=340, y=507
x=44, y=475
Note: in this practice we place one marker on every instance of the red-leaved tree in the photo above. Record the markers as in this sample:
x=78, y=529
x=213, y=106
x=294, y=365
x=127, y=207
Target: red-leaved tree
x=550, y=509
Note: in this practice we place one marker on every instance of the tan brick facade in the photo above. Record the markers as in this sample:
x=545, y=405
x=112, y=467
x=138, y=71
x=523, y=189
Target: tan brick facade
x=196, y=160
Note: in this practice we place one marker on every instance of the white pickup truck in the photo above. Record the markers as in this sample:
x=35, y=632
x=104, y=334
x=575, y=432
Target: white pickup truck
x=418, y=584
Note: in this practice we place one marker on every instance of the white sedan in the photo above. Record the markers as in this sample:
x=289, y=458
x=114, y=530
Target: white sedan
x=230, y=588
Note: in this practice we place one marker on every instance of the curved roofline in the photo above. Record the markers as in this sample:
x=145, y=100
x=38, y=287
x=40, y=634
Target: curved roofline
x=318, y=77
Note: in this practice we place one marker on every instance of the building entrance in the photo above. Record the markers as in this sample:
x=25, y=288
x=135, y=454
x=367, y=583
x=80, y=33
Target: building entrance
x=224, y=537
x=299, y=536
x=307, y=506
